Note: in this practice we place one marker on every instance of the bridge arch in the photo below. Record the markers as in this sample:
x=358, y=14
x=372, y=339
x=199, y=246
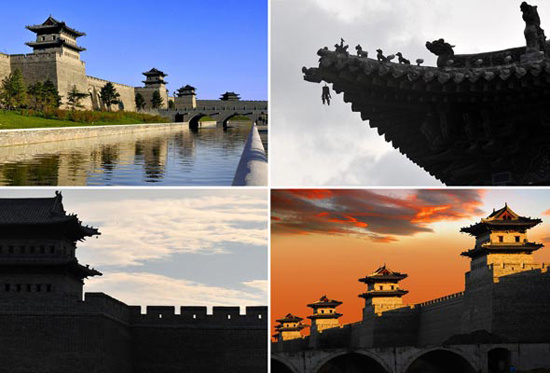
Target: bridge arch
x=440, y=360
x=279, y=365
x=352, y=362
x=499, y=360
x=194, y=121
x=227, y=118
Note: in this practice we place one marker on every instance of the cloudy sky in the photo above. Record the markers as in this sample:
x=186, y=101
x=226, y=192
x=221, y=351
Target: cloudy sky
x=324, y=241
x=314, y=144
x=172, y=247
x=216, y=46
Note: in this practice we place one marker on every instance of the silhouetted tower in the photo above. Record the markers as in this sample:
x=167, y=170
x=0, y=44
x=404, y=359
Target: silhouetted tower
x=289, y=328
x=324, y=314
x=501, y=243
x=37, y=249
x=383, y=291
x=55, y=36
x=230, y=96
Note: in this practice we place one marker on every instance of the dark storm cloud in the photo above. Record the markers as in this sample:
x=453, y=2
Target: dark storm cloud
x=368, y=213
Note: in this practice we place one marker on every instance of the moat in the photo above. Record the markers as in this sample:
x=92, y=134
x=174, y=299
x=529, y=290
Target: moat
x=207, y=156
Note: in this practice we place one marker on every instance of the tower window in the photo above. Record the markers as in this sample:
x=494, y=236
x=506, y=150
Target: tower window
x=52, y=249
x=517, y=238
x=48, y=288
x=18, y=288
x=10, y=249
x=42, y=249
x=28, y=287
x=32, y=249
x=38, y=288
x=500, y=238
x=7, y=287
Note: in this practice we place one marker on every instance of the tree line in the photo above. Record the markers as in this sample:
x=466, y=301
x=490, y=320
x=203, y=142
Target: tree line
x=44, y=96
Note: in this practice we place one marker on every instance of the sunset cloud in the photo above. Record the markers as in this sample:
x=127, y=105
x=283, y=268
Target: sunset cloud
x=368, y=213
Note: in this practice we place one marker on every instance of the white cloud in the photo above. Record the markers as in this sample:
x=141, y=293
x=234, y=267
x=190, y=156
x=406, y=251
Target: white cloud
x=138, y=230
x=258, y=284
x=147, y=289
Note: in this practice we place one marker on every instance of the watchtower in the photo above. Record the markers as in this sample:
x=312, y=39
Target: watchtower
x=324, y=314
x=37, y=249
x=186, y=98
x=501, y=243
x=55, y=36
x=383, y=291
x=154, y=82
x=289, y=328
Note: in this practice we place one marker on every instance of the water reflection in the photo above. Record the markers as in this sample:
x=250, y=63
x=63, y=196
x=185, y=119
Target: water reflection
x=176, y=156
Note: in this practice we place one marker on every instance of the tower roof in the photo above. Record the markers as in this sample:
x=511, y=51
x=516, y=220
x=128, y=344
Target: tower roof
x=383, y=274
x=501, y=219
x=325, y=302
x=289, y=318
x=52, y=25
x=154, y=72
x=34, y=212
x=230, y=96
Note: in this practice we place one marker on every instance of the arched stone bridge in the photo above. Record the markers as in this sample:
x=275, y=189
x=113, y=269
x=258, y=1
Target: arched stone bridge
x=478, y=358
x=222, y=114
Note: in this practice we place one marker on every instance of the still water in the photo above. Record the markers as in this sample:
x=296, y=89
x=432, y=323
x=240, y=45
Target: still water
x=180, y=156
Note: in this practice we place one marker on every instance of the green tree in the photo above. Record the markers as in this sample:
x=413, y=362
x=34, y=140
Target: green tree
x=156, y=101
x=13, y=92
x=74, y=97
x=35, y=94
x=109, y=95
x=171, y=104
x=140, y=101
x=43, y=96
x=52, y=99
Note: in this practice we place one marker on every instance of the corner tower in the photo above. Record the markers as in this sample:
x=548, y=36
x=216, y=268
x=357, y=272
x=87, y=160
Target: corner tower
x=37, y=249
x=383, y=291
x=55, y=57
x=289, y=328
x=324, y=314
x=501, y=243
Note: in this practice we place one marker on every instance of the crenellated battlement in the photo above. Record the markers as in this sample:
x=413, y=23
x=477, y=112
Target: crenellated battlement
x=438, y=301
x=102, y=82
x=198, y=317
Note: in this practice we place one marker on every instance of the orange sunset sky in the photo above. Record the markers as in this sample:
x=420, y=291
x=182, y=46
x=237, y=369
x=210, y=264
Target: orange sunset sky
x=323, y=241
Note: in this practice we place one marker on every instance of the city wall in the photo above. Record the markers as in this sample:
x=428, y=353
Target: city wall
x=127, y=94
x=102, y=334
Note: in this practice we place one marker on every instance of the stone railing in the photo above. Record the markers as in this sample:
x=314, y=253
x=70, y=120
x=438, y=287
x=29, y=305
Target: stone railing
x=252, y=169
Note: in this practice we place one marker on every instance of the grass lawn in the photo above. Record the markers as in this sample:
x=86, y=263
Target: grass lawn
x=15, y=120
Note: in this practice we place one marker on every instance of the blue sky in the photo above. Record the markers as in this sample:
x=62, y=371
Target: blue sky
x=216, y=46
x=172, y=246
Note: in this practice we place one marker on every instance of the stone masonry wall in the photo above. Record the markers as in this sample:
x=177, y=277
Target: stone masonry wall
x=36, y=67
x=5, y=65
x=127, y=94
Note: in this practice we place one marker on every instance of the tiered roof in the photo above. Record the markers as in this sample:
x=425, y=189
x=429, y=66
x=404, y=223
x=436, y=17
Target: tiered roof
x=383, y=274
x=290, y=318
x=230, y=96
x=19, y=213
x=501, y=219
x=186, y=90
x=154, y=76
x=324, y=302
x=52, y=25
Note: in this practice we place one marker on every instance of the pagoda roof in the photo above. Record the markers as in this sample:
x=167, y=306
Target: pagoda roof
x=230, y=96
x=41, y=211
x=405, y=101
x=325, y=302
x=54, y=43
x=47, y=264
x=501, y=219
x=500, y=248
x=316, y=316
x=289, y=318
x=187, y=88
x=154, y=72
x=383, y=274
x=383, y=293
x=53, y=25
